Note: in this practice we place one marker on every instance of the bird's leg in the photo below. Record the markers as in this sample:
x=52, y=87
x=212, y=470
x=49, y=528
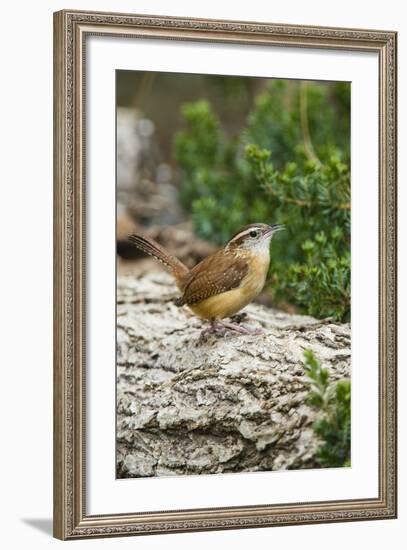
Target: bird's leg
x=240, y=328
x=215, y=326
x=221, y=327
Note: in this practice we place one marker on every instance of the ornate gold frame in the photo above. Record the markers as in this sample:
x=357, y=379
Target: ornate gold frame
x=70, y=31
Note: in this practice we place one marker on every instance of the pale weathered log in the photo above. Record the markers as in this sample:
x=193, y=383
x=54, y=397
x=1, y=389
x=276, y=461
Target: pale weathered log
x=191, y=405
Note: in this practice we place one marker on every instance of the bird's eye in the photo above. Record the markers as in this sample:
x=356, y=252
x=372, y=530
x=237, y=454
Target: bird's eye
x=253, y=234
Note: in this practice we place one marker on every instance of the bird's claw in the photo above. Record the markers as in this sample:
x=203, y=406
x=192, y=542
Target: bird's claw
x=222, y=328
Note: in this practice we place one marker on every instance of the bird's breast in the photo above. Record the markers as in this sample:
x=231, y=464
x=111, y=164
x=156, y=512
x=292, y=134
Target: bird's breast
x=254, y=281
x=232, y=301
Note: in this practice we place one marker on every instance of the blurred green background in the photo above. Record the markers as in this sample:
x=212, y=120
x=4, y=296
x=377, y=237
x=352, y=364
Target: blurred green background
x=211, y=153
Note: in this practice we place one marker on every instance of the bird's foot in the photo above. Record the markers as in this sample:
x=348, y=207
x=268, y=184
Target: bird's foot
x=214, y=327
x=241, y=328
x=222, y=327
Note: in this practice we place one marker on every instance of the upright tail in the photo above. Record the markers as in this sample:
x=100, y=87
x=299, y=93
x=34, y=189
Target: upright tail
x=151, y=247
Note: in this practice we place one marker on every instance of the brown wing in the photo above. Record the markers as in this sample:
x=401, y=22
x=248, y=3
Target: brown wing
x=217, y=273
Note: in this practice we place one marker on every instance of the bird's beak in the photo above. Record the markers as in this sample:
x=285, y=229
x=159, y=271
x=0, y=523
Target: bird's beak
x=274, y=228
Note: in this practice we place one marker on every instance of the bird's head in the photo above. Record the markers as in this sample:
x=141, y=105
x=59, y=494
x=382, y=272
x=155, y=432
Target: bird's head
x=254, y=237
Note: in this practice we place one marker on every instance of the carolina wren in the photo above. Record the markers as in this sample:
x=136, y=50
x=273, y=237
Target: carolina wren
x=224, y=282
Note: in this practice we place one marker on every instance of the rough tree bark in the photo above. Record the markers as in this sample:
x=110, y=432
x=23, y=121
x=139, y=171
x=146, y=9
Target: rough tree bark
x=230, y=403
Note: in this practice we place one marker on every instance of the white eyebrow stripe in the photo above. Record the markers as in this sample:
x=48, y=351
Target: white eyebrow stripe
x=245, y=232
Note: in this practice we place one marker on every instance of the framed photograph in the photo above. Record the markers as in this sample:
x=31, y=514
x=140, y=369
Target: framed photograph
x=225, y=274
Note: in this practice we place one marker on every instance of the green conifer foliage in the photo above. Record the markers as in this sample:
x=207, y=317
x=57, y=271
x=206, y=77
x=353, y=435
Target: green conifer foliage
x=290, y=165
x=334, y=402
